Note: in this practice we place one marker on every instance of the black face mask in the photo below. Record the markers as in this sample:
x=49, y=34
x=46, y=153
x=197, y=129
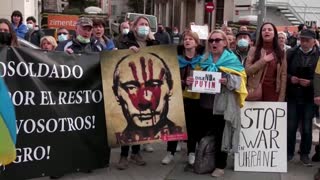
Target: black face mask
x=5, y=38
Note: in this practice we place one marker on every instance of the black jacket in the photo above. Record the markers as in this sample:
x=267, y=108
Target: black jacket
x=77, y=47
x=34, y=36
x=163, y=37
x=302, y=66
x=130, y=40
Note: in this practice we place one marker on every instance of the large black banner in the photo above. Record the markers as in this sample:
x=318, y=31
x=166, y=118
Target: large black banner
x=60, y=114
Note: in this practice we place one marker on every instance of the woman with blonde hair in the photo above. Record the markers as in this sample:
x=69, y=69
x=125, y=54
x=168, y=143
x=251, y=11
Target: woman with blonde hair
x=221, y=111
x=139, y=36
x=48, y=43
x=282, y=38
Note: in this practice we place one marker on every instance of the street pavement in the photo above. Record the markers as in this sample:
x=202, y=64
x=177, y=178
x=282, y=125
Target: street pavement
x=154, y=170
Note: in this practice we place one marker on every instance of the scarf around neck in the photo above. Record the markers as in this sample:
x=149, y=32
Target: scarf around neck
x=228, y=60
x=193, y=62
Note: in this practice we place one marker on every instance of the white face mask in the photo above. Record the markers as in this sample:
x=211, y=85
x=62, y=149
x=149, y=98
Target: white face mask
x=306, y=52
x=30, y=26
x=125, y=31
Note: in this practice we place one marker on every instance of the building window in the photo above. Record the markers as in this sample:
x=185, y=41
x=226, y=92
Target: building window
x=113, y=10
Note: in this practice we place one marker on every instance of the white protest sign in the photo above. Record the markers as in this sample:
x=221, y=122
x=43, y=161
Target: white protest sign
x=206, y=82
x=263, y=137
x=202, y=31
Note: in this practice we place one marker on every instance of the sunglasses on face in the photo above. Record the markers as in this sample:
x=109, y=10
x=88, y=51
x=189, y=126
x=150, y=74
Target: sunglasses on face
x=64, y=33
x=214, y=40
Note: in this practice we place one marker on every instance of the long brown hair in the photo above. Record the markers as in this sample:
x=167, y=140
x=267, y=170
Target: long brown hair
x=14, y=39
x=279, y=53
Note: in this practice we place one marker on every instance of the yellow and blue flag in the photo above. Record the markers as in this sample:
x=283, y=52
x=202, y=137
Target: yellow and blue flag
x=7, y=127
x=228, y=63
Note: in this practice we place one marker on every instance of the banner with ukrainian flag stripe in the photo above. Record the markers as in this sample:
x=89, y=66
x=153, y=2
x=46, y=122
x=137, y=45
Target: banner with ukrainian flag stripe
x=7, y=127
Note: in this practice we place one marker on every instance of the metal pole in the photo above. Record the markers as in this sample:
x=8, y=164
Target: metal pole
x=144, y=6
x=261, y=15
x=209, y=22
x=304, y=16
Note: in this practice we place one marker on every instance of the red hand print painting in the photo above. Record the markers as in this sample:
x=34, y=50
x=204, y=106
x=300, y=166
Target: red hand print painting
x=139, y=106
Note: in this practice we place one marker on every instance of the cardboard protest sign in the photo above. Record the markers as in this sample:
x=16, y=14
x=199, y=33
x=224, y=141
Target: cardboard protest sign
x=263, y=137
x=143, y=97
x=202, y=31
x=206, y=82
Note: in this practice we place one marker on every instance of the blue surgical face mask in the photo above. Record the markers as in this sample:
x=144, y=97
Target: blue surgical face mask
x=243, y=43
x=143, y=31
x=62, y=37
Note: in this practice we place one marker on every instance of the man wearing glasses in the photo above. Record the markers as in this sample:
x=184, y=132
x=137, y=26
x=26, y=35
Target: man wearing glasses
x=63, y=34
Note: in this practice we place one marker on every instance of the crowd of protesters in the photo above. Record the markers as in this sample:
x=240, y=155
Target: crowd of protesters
x=284, y=64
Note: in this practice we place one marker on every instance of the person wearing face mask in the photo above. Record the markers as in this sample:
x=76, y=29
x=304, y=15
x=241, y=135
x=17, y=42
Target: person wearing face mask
x=162, y=36
x=8, y=36
x=34, y=34
x=140, y=36
x=243, y=39
x=176, y=36
x=63, y=34
x=83, y=41
x=124, y=29
x=302, y=62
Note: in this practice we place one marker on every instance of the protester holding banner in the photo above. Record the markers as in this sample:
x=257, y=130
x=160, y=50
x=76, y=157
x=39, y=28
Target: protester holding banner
x=189, y=55
x=7, y=34
x=266, y=67
x=17, y=24
x=98, y=32
x=48, y=43
x=140, y=36
x=224, y=122
x=83, y=42
x=302, y=63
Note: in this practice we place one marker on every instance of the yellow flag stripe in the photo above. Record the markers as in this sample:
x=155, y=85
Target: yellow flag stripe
x=7, y=147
